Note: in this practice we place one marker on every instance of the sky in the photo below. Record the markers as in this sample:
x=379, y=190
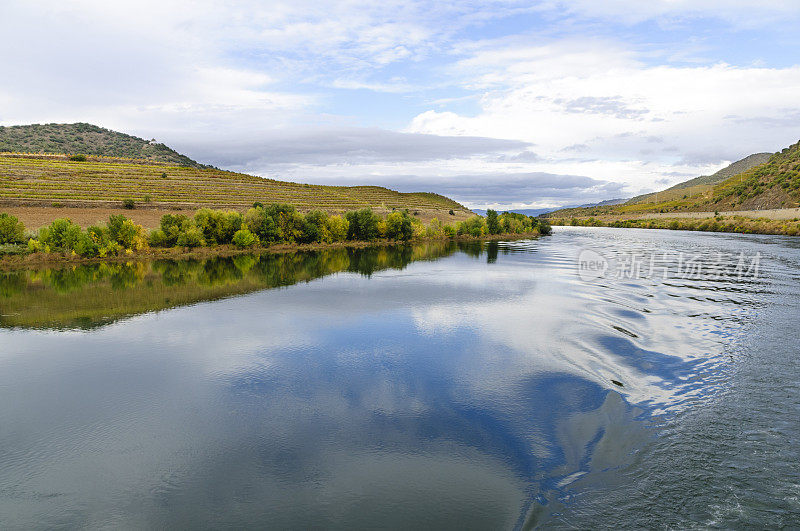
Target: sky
x=498, y=104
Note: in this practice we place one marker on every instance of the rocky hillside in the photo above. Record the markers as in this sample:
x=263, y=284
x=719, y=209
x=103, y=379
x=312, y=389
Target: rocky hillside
x=86, y=139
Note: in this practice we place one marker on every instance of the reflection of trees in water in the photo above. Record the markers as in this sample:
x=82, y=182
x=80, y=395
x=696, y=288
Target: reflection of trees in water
x=69, y=279
x=12, y=283
x=102, y=293
x=272, y=270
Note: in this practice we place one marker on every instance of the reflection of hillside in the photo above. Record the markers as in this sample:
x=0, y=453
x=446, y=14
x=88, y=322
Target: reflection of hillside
x=88, y=296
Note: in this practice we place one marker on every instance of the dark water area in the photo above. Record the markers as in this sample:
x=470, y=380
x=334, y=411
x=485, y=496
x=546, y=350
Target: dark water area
x=595, y=378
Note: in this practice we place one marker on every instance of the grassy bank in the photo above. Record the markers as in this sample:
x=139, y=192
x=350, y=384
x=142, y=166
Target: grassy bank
x=732, y=224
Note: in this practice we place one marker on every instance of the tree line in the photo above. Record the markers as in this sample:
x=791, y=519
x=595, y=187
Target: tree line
x=260, y=226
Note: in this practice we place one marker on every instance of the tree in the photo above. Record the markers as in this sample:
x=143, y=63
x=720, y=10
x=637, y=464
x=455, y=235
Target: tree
x=11, y=229
x=363, y=225
x=492, y=225
x=399, y=226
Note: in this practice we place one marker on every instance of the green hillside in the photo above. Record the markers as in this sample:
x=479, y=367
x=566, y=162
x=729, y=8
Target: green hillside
x=704, y=182
x=773, y=184
x=86, y=139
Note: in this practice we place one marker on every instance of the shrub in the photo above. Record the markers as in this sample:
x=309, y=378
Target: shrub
x=171, y=227
x=544, y=228
x=449, y=231
x=164, y=175
x=399, y=226
x=452, y=213
x=129, y=204
x=315, y=227
x=243, y=239
x=362, y=225
x=474, y=226
x=218, y=226
x=126, y=233
x=158, y=238
x=78, y=158
x=11, y=229
x=382, y=228
x=61, y=235
x=434, y=229
x=86, y=246
x=261, y=224
x=337, y=228
x=290, y=224
x=192, y=237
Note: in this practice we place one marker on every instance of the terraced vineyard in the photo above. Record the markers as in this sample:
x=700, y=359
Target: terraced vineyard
x=48, y=180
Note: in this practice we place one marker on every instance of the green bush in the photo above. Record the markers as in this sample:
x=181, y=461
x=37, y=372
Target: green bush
x=126, y=233
x=11, y=229
x=337, y=228
x=61, y=235
x=192, y=237
x=362, y=225
x=218, y=226
x=244, y=239
x=290, y=224
x=474, y=226
x=78, y=158
x=544, y=228
x=171, y=227
x=260, y=223
x=399, y=226
x=129, y=204
x=158, y=238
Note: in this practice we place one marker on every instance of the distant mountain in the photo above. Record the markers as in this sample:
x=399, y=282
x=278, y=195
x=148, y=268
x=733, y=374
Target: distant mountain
x=525, y=211
x=87, y=139
x=732, y=170
x=540, y=211
x=607, y=202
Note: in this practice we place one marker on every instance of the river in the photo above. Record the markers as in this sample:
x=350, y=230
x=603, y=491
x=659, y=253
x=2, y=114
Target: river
x=598, y=377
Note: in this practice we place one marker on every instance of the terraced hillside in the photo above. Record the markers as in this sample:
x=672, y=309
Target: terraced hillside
x=49, y=180
x=86, y=139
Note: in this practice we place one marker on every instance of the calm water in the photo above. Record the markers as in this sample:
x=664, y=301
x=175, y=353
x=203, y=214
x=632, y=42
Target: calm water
x=447, y=387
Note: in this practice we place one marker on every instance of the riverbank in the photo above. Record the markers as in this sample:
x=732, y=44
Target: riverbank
x=36, y=260
x=716, y=223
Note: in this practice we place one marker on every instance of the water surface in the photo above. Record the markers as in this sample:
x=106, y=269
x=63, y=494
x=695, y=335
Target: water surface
x=482, y=386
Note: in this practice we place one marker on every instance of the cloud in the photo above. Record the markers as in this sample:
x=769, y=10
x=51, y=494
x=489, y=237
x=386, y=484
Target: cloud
x=743, y=13
x=599, y=101
x=613, y=106
x=513, y=190
x=350, y=145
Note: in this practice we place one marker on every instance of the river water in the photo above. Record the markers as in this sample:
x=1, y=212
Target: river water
x=595, y=378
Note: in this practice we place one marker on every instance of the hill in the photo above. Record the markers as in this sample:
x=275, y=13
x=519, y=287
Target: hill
x=773, y=184
x=86, y=139
x=54, y=180
x=705, y=182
